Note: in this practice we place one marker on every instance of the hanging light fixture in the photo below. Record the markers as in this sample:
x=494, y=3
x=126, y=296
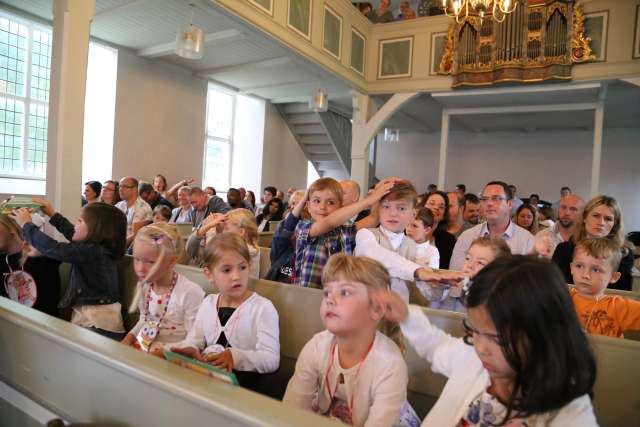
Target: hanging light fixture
x=391, y=135
x=190, y=40
x=462, y=9
x=319, y=101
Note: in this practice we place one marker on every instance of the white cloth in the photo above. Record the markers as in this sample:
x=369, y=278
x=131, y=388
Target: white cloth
x=252, y=331
x=467, y=378
x=380, y=389
x=519, y=240
x=107, y=317
x=400, y=268
x=140, y=211
x=427, y=254
x=184, y=303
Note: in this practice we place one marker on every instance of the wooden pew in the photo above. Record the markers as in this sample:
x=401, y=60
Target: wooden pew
x=616, y=393
x=265, y=238
x=635, y=284
x=265, y=261
x=84, y=377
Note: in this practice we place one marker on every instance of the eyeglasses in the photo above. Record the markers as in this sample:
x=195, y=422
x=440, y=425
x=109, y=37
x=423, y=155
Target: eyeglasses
x=496, y=199
x=128, y=186
x=470, y=332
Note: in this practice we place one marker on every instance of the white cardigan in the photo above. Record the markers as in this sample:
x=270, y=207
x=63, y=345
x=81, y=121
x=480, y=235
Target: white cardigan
x=184, y=303
x=467, y=378
x=252, y=331
x=381, y=383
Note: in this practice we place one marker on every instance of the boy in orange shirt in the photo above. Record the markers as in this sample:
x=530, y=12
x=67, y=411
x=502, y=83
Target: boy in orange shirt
x=595, y=264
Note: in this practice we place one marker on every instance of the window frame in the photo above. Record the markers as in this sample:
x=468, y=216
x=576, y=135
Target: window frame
x=26, y=100
x=210, y=137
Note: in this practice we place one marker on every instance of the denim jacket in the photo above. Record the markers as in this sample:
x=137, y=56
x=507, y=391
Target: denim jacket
x=93, y=279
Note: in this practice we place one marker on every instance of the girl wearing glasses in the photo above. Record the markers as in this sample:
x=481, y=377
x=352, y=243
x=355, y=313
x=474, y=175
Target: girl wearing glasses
x=524, y=360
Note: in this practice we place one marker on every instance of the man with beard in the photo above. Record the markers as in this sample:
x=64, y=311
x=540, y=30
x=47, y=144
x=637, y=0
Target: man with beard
x=568, y=213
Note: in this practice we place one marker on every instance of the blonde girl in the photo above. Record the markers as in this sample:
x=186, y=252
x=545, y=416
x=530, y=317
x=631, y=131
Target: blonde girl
x=235, y=329
x=351, y=371
x=239, y=221
x=167, y=301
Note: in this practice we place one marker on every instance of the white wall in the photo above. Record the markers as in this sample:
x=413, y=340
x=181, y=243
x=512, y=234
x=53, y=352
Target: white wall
x=247, y=143
x=283, y=161
x=159, y=121
x=537, y=162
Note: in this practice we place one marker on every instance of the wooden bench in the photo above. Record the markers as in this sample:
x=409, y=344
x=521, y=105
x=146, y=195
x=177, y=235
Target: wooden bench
x=616, y=393
x=265, y=261
x=265, y=238
x=86, y=378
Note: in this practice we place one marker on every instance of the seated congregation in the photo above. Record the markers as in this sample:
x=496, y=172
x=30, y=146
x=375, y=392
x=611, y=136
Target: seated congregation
x=524, y=359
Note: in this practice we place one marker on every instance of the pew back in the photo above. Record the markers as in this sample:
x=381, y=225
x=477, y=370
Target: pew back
x=265, y=261
x=264, y=238
x=616, y=393
x=85, y=377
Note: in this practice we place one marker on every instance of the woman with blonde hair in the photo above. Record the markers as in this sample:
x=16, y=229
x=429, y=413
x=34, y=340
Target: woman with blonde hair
x=601, y=217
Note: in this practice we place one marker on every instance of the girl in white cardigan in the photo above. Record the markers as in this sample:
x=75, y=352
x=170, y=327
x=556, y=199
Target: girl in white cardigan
x=236, y=329
x=167, y=301
x=351, y=371
x=524, y=360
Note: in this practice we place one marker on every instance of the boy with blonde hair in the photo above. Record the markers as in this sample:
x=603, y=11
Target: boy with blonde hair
x=329, y=231
x=594, y=267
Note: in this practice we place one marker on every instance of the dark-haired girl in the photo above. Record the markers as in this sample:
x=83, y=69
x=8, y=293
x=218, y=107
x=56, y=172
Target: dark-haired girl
x=524, y=360
x=96, y=242
x=438, y=203
x=273, y=211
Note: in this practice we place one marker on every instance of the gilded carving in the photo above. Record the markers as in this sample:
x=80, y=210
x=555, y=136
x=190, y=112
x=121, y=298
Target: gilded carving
x=580, y=45
x=446, y=63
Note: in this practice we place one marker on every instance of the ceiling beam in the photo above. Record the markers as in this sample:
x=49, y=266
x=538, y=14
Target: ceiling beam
x=249, y=66
x=108, y=10
x=210, y=39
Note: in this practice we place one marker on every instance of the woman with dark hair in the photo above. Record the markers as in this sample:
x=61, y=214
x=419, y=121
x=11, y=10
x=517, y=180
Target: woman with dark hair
x=272, y=211
x=524, y=359
x=527, y=217
x=601, y=217
x=438, y=203
x=251, y=199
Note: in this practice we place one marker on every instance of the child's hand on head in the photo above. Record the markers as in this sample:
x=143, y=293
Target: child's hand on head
x=223, y=360
x=382, y=188
x=21, y=216
x=395, y=309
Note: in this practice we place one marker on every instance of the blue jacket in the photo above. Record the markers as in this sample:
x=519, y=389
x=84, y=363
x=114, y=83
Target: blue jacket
x=94, y=277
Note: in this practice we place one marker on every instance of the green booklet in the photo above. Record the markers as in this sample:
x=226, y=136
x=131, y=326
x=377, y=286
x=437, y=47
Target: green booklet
x=19, y=202
x=203, y=368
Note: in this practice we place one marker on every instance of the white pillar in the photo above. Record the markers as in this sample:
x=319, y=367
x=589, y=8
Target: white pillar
x=71, y=28
x=363, y=109
x=444, y=143
x=597, y=142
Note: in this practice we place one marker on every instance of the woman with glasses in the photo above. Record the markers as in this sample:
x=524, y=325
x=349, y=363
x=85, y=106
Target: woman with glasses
x=438, y=203
x=524, y=359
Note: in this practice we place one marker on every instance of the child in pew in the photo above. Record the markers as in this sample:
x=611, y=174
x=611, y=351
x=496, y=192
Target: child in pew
x=524, y=360
x=242, y=222
x=594, y=266
x=18, y=258
x=161, y=213
x=330, y=231
x=96, y=243
x=283, y=249
x=167, y=301
x=236, y=329
x=482, y=252
x=351, y=371
x=388, y=244
x=420, y=230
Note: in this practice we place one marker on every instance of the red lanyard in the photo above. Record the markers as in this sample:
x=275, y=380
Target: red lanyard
x=326, y=375
x=166, y=307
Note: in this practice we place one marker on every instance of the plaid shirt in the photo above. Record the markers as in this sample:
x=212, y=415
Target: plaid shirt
x=312, y=253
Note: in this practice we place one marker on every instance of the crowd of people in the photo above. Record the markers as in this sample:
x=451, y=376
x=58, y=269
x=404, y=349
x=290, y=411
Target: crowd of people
x=524, y=360
x=385, y=13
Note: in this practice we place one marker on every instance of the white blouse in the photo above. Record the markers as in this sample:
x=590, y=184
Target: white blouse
x=252, y=331
x=184, y=303
x=467, y=378
x=378, y=392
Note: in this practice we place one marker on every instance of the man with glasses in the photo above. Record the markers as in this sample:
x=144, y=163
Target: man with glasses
x=497, y=202
x=138, y=211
